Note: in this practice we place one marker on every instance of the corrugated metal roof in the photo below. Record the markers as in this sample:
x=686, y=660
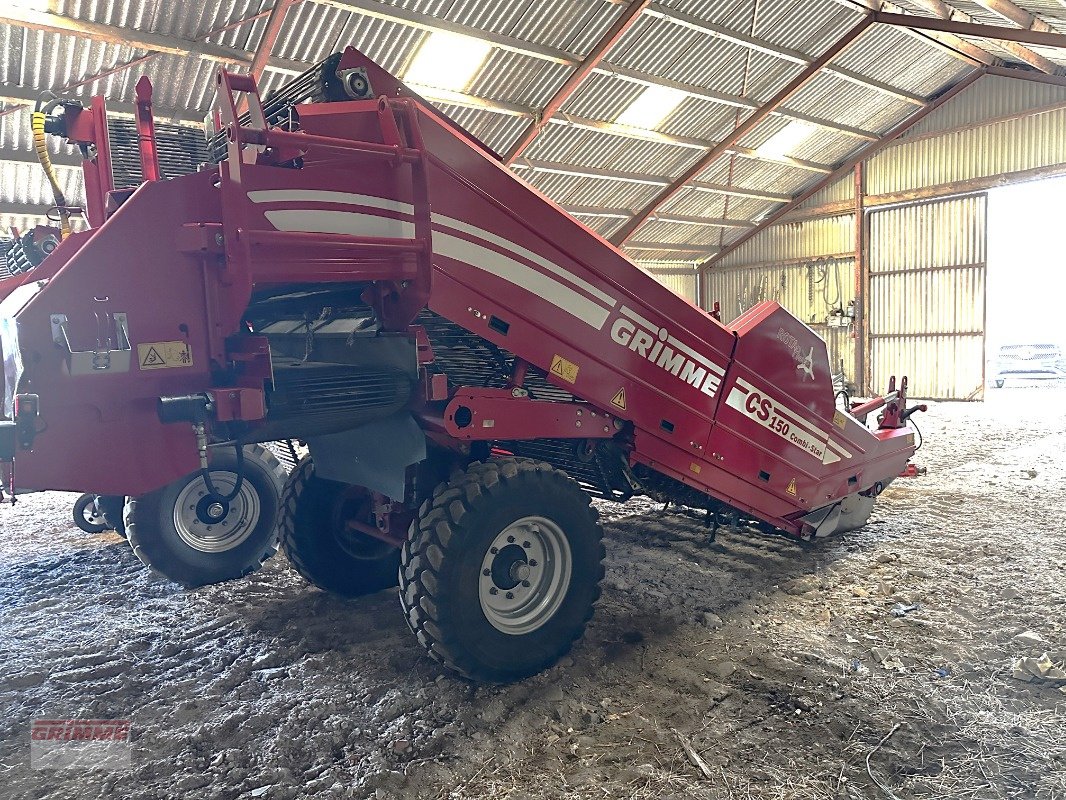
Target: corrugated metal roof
x=692, y=42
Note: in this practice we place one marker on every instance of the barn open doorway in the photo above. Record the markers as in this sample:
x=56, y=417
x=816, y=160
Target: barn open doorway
x=1026, y=334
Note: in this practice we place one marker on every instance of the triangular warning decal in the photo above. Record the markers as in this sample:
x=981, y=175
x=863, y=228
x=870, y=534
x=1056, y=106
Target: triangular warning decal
x=791, y=487
x=152, y=358
x=619, y=400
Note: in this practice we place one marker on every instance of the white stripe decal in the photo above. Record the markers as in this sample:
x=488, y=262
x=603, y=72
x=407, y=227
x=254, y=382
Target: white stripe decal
x=797, y=419
x=633, y=315
x=502, y=266
x=522, y=276
x=340, y=222
x=786, y=411
x=696, y=356
x=651, y=328
x=770, y=418
x=822, y=446
x=387, y=204
x=516, y=249
x=322, y=196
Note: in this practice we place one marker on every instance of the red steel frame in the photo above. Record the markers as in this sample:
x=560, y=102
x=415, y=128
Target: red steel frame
x=391, y=194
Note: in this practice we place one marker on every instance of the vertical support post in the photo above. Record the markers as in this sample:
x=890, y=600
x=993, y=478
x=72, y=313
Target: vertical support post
x=104, y=178
x=146, y=131
x=858, y=331
x=984, y=310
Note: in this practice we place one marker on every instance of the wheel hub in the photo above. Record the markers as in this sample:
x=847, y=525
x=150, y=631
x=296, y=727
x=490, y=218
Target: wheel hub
x=209, y=524
x=525, y=575
x=210, y=510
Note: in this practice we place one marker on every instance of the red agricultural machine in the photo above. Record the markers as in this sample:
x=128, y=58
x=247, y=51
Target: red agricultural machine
x=466, y=364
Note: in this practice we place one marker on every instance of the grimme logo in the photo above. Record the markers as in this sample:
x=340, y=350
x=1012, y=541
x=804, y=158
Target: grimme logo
x=654, y=345
x=86, y=743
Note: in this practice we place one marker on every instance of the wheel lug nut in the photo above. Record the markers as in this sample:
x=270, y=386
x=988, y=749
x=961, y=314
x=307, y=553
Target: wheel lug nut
x=510, y=595
x=525, y=584
x=532, y=562
x=486, y=572
x=526, y=545
x=510, y=539
x=494, y=550
x=494, y=590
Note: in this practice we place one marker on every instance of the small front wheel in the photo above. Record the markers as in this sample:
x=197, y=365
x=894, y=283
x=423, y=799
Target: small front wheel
x=503, y=569
x=87, y=516
x=194, y=538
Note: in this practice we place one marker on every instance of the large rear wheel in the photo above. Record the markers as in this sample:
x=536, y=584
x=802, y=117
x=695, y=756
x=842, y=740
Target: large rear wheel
x=502, y=570
x=194, y=538
x=320, y=543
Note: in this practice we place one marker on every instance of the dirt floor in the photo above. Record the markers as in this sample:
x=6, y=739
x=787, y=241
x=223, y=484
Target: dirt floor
x=877, y=665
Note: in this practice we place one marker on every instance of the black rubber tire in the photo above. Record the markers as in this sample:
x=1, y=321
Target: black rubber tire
x=81, y=505
x=442, y=564
x=113, y=509
x=309, y=518
x=156, y=542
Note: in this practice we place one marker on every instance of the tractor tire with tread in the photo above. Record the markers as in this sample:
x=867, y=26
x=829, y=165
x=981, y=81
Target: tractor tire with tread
x=191, y=552
x=317, y=544
x=112, y=508
x=449, y=554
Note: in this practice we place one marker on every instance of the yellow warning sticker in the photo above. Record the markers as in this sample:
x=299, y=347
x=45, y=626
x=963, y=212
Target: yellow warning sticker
x=164, y=355
x=791, y=487
x=619, y=400
x=695, y=468
x=839, y=420
x=567, y=370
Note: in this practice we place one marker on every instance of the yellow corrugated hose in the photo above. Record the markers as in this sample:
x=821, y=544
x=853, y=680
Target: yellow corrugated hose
x=40, y=144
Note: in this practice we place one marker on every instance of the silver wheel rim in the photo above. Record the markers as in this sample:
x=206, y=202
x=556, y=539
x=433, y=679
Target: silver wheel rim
x=91, y=515
x=232, y=527
x=525, y=575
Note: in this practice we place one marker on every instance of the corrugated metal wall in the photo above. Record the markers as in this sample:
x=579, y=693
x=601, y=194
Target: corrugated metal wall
x=927, y=297
x=988, y=98
x=976, y=152
x=810, y=289
x=793, y=240
x=678, y=279
x=927, y=279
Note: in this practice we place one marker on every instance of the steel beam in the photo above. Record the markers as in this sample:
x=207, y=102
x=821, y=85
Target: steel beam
x=57, y=23
x=695, y=249
x=680, y=219
x=730, y=142
x=19, y=96
x=861, y=272
x=846, y=168
x=1012, y=12
x=942, y=10
x=998, y=32
x=647, y=180
x=270, y=37
x=129, y=64
x=1027, y=75
x=784, y=53
x=945, y=42
x=623, y=23
x=371, y=8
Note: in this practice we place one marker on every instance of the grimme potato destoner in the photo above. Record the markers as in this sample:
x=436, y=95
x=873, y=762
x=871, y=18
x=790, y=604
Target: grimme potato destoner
x=465, y=363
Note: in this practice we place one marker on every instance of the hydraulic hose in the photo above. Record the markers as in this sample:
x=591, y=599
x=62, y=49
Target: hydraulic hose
x=40, y=144
x=226, y=498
